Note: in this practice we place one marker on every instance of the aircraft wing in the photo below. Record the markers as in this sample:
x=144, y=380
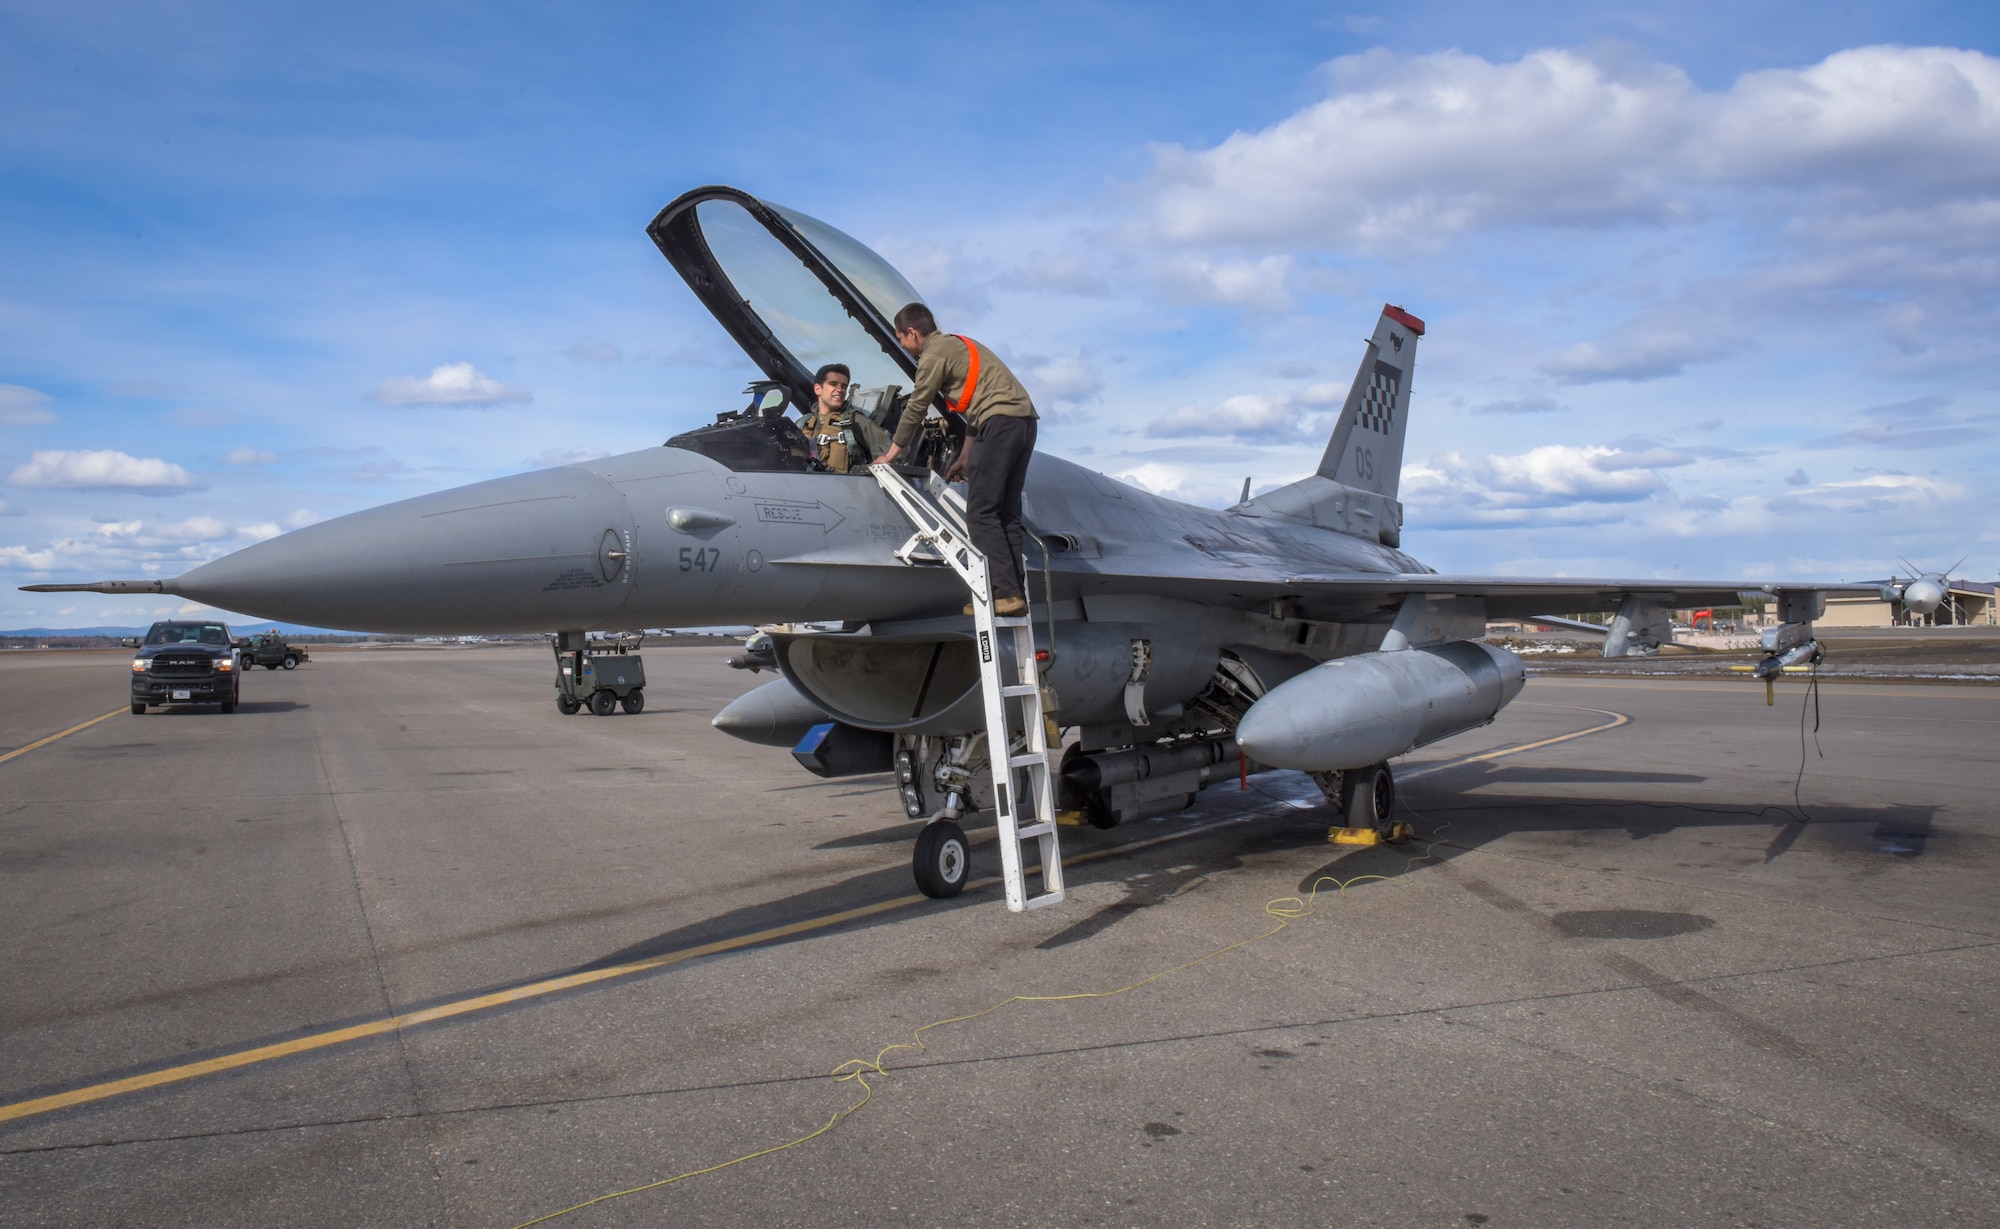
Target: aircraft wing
x=1527, y=596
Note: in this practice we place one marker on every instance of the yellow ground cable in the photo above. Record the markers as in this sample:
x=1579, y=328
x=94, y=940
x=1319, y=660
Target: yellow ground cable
x=1285, y=909
x=64, y=734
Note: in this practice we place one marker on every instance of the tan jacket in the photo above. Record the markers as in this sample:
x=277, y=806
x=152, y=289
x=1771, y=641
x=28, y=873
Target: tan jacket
x=942, y=367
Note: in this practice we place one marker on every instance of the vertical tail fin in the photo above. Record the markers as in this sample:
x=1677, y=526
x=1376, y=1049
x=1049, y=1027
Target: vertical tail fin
x=1355, y=489
x=1366, y=451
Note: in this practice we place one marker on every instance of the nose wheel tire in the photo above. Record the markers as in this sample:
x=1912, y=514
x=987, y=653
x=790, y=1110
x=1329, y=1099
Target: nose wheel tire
x=634, y=701
x=1368, y=798
x=602, y=703
x=943, y=861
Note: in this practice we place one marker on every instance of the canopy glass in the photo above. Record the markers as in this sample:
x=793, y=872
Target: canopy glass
x=804, y=316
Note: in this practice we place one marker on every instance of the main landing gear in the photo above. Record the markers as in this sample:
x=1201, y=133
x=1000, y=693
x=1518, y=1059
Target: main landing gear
x=1366, y=798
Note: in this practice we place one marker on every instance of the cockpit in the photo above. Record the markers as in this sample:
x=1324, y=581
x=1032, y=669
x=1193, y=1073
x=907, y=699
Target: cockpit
x=796, y=293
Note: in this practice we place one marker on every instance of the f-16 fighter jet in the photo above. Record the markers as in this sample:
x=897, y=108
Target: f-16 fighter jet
x=1169, y=642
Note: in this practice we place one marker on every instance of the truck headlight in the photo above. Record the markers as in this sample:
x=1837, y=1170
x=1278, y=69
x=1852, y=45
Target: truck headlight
x=138, y=665
x=223, y=665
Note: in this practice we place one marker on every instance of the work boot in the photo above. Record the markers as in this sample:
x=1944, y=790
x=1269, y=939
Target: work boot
x=1009, y=607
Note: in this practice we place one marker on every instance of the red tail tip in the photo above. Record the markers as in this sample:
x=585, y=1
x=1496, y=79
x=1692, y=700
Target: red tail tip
x=1403, y=318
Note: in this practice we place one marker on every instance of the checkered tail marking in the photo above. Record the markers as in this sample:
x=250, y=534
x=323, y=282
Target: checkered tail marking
x=1378, y=403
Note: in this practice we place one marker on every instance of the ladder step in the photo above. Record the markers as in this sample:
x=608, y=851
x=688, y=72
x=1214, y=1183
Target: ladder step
x=1028, y=760
x=1032, y=831
x=1012, y=621
x=1021, y=689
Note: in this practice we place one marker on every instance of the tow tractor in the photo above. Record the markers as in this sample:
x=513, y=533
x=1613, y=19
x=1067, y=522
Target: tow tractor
x=599, y=674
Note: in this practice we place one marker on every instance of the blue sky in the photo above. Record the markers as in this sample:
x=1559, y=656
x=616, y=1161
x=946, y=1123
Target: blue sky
x=1711, y=288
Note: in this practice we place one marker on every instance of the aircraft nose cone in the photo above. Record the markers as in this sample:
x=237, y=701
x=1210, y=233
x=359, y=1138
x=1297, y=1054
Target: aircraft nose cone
x=1923, y=596
x=533, y=552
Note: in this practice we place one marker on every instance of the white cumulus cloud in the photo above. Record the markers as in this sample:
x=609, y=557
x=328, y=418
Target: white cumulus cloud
x=102, y=470
x=1414, y=149
x=1500, y=487
x=1277, y=418
x=26, y=557
x=450, y=384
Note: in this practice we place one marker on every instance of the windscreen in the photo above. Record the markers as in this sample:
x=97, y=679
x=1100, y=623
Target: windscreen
x=794, y=304
x=188, y=633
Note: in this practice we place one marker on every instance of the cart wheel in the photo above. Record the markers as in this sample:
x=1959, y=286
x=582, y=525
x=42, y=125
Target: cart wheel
x=291, y=663
x=634, y=700
x=943, y=861
x=602, y=703
x=138, y=709
x=568, y=706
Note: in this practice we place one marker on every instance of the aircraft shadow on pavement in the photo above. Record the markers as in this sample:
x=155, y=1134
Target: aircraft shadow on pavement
x=1156, y=875
x=1146, y=883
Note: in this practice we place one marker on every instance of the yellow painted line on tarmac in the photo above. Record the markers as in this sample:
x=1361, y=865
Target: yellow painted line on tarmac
x=571, y=981
x=460, y=1007
x=53, y=737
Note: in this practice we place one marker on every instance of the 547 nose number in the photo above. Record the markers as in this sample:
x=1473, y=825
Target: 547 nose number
x=700, y=558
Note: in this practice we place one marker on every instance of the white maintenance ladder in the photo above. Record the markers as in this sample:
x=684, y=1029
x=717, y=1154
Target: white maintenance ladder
x=1017, y=743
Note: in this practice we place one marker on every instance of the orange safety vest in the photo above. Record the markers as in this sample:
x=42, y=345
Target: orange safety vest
x=971, y=376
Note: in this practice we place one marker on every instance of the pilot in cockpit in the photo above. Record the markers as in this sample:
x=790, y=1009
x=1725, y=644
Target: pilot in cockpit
x=824, y=426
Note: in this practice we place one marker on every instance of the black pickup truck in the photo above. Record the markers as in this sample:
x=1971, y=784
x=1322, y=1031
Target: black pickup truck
x=185, y=663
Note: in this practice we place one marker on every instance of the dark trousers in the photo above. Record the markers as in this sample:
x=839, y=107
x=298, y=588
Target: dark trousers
x=993, y=481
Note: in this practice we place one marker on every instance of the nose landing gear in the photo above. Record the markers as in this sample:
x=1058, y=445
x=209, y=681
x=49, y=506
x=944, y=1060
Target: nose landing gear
x=943, y=860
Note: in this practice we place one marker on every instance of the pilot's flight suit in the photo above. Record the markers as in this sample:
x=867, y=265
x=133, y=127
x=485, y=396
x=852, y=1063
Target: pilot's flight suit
x=999, y=415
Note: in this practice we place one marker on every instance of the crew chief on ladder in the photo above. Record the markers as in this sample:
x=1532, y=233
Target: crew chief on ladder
x=999, y=415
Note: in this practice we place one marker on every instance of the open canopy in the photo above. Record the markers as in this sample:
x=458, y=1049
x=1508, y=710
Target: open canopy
x=794, y=292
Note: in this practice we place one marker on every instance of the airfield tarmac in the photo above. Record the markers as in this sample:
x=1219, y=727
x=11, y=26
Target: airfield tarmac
x=1629, y=986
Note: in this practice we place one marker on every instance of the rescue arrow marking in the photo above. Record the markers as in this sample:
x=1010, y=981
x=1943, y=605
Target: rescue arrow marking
x=789, y=512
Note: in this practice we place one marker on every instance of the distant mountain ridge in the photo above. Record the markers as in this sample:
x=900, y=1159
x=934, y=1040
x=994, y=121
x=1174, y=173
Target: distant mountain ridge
x=240, y=628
